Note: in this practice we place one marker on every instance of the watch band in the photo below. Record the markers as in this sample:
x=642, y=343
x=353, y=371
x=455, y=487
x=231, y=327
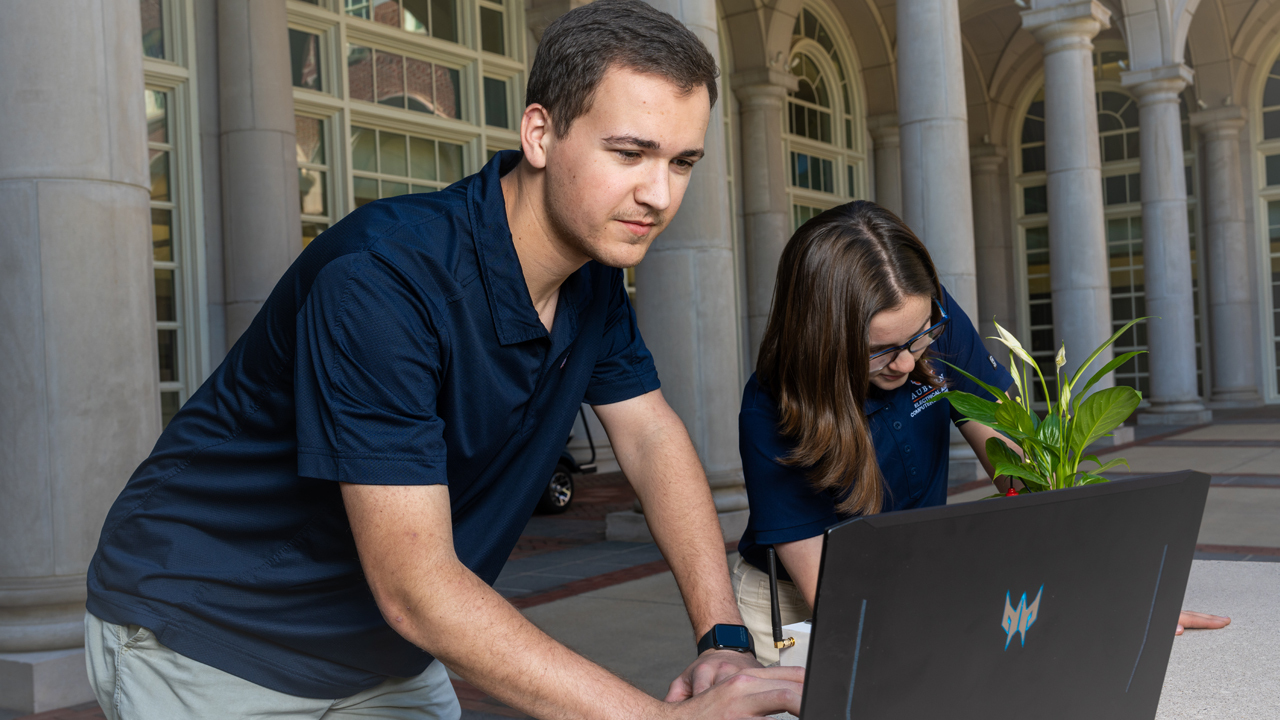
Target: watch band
x=727, y=637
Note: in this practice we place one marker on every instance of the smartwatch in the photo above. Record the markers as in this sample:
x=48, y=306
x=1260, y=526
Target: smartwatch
x=727, y=637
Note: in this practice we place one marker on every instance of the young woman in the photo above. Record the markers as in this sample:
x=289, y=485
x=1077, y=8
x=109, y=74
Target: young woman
x=837, y=419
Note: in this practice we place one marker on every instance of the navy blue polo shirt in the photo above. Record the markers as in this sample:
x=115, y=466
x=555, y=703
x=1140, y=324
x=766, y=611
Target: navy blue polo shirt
x=911, y=436
x=401, y=348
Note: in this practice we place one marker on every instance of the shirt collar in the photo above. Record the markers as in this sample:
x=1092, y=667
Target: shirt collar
x=514, y=317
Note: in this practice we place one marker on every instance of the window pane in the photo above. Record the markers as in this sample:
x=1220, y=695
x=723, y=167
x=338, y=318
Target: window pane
x=491, y=39
x=1133, y=145
x=159, y=174
x=421, y=188
x=393, y=154
x=364, y=149
x=1270, y=95
x=1112, y=148
x=157, y=116
x=358, y=8
x=1034, y=200
x=386, y=12
x=422, y=159
x=304, y=59
x=313, y=192
x=1273, y=170
x=1271, y=124
x=444, y=23
x=828, y=176
x=450, y=162
x=310, y=137
x=166, y=297
x=366, y=190
x=390, y=81
x=418, y=79
x=1135, y=187
x=1033, y=159
x=153, y=29
x=312, y=230
x=360, y=73
x=495, y=103
x=1033, y=130
x=1115, y=190
x=448, y=82
x=417, y=16
x=169, y=404
x=168, y=342
x=392, y=189
x=162, y=235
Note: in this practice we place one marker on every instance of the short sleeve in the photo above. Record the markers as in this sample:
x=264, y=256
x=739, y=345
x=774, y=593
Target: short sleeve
x=785, y=506
x=366, y=377
x=624, y=367
x=961, y=345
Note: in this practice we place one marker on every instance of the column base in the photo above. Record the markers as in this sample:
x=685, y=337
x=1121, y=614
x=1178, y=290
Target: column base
x=1243, y=399
x=1186, y=417
x=630, y=526
x=34, y=682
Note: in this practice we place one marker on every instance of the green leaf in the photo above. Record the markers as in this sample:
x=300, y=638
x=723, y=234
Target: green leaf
x=998, y=452
x=1115, y=363
x=1108, y=465
x=1014, y=415
x=1090, y=479
x=971, y=406
x=1080, y=370
x=1102, y=412
x=997, y=394
x=1029, y=477
x=1050, y=431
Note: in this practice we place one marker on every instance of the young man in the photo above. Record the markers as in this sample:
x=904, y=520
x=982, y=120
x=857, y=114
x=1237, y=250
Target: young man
x=340, y=494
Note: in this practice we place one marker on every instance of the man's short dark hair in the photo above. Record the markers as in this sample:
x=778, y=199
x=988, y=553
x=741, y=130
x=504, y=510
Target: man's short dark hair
x=582, y=44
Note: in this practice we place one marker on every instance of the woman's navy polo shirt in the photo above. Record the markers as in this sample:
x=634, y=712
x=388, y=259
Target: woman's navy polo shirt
x=401, y=348
x=912, y=441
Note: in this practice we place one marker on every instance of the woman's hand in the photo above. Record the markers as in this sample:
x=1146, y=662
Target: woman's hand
x=1200, y=621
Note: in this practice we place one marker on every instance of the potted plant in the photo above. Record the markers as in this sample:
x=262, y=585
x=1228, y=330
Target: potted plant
x=1053, y=446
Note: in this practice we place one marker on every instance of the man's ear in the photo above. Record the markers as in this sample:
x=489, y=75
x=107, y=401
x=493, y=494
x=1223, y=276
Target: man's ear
x=536, y=135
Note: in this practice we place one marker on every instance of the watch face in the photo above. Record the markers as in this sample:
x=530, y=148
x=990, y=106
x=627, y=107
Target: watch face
x=732, y=636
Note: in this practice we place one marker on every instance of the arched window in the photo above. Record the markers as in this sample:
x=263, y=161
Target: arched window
x=824, y=142
x=1119, y=149
x=1268, y=143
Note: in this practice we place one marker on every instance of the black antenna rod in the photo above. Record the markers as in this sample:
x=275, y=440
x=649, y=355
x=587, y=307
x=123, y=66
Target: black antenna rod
x=776, y=613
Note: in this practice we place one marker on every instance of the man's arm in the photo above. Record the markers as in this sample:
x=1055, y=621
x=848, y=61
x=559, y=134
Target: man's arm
x=405, y=539
x=654, y=450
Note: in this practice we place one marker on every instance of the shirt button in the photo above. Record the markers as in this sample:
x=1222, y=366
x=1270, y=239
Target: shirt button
x=897, y=425
x=906, y=449
x=913, y=471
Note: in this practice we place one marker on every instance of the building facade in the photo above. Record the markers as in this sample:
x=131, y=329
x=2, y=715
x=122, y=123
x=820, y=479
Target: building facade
x=1070, y=165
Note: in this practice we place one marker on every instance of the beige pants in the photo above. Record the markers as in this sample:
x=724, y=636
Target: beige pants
x=137, y=678
x=751, y=589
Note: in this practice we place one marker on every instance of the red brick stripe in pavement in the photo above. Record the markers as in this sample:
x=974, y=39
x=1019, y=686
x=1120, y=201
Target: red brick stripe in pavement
x=1239, y=550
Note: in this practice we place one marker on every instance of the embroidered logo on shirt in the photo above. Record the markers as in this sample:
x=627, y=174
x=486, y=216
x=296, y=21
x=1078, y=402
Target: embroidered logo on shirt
x=994, y=364
x=922, y=394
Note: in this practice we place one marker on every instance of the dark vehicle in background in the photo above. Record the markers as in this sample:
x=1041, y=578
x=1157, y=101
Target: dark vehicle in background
x=559, y=493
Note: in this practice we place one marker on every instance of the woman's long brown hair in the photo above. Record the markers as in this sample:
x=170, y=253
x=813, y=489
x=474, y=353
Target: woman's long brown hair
x=837, y=271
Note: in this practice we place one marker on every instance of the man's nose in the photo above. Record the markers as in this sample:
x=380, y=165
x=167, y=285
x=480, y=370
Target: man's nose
x=654, y=189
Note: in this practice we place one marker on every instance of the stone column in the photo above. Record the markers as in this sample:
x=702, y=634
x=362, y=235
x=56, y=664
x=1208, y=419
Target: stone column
x=79, y=406
x=1081, y=288
x=687, y=309
x=937, y=202
x=886, y=149
x=1232, y=298
x=261, y=228
x=993, y=247
x=1166, y=249
x=762, y=96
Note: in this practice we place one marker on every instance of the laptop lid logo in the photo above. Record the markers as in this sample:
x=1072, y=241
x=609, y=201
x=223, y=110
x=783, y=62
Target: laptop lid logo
x=1017, y=620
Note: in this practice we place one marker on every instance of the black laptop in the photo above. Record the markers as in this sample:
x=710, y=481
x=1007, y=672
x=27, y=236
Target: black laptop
x=1051, y=605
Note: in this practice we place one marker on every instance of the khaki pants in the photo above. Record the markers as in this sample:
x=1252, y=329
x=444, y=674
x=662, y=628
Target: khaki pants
x=137, y=678
x=751, y=589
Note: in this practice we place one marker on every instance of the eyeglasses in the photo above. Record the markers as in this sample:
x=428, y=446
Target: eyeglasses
x=916, y=345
